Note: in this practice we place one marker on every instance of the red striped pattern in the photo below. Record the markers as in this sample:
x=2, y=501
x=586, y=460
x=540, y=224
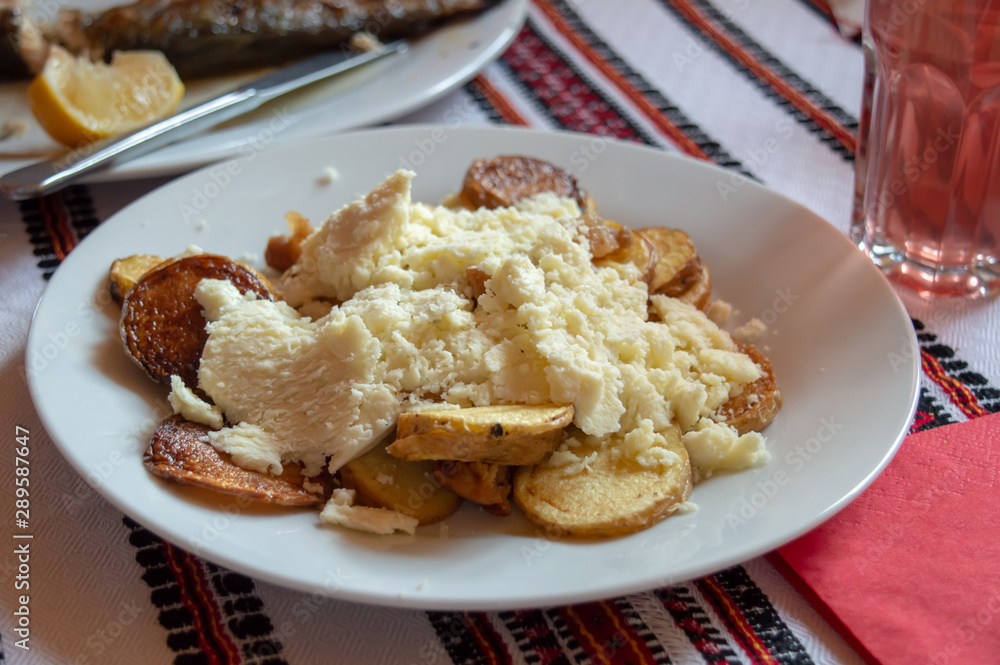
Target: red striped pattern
x=634, y=95
x=537, y=636
x=56, y=220
x=735, y=622
x=957, y=392
x=213, y=641
x=488, y=640
x=606, y=635
x=764, y=73
x=577, y=105
x=498, y=101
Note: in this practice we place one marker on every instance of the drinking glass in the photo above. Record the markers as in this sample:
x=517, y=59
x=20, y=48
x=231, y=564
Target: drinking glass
x=927, y=179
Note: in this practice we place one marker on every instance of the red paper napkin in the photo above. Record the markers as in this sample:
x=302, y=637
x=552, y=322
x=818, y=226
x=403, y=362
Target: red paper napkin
x=910, y=571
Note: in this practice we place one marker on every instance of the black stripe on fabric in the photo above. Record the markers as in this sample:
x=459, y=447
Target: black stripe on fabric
x=41, y=244
x=80, y=207
x=987, y=395
x=689, y=616
x=556, y=112
x=571, y=646
x=822, y=134
x=660, y=655
x=534, y=638
x=165, y=592
x=777, y=66
x=484, y=104
x=243, y=614
x=487, y=632
x=930, y=413
x=453, y=632
x=252, y=630
x=669, y=109
x=762, y=617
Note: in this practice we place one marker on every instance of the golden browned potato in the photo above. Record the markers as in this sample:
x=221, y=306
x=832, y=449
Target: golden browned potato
x=487, y=484
x=614, y=497
x=700, y=293
x=678, y=266
x=603, y=235
x=162, y=324
x=504, y=180
x=283, y=251
x=178, y=453
x=383, y=481
x=126, y=272
x=633, y=248
x=511, y=434
x=759, y=403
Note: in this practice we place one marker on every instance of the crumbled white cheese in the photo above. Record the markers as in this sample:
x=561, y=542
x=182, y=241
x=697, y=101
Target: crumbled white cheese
x=185, y=403
x=330, y=176
x=200, y=225
x=249, y=257
x=750, y=331
x=250, y=446
x=316, y=309
x=686, y=507
x=572, y=464
x=550, y=328
x=313, y=488
x=341, y=511
x=648, y=447
x=716, y=446
x=719, y=312
x=311, y=387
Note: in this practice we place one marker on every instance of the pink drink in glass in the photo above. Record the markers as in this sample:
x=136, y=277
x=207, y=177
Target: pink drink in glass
x=927, y=204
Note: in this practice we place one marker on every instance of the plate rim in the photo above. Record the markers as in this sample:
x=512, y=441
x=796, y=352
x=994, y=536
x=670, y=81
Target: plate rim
x=418, y=601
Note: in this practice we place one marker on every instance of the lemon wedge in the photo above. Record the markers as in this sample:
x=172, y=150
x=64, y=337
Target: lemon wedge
x=77, y=101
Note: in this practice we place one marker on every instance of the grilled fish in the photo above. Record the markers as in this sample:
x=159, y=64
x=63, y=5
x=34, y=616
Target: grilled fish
x=11, y=64
x=216, y=37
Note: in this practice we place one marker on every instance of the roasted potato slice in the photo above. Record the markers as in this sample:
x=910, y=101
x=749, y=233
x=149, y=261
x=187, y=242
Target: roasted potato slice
x=603, y=235
x=633, y=248
x=283, y=251
x=126, y=272
x=162, y=323
x=510, y=434
x=678, y=266
x=383, y=481
x=481, y=482
x=178, y=452
x=759, y=403
x=700, y=293
x=504, y=180
x=614, y=497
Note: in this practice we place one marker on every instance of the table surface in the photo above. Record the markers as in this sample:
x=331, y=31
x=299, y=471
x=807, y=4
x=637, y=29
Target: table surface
x=768, y=89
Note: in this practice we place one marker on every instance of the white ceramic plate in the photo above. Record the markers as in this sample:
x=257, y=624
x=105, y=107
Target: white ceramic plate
x=838, y=337
x=433, y=66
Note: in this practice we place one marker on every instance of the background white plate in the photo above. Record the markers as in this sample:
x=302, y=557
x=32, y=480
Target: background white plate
x=434, y=65
x=839, y=340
